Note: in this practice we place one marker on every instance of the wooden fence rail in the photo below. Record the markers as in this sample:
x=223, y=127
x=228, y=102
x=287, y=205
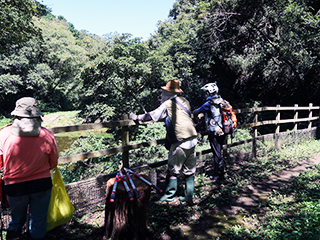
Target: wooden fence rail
x=125, y=123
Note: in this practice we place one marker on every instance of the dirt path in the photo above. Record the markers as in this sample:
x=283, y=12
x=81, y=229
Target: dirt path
x=252, y=195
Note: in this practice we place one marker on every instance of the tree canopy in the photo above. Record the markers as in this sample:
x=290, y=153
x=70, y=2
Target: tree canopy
x=251, y=48
x=256, y=51
x=16, y=26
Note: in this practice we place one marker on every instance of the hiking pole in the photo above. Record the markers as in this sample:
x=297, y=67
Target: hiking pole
x=126, y=186
x=113, y=194
x=132, y=184
x=143, y=179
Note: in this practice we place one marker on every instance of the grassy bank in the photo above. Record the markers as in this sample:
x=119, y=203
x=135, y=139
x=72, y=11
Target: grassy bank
x=56, y=119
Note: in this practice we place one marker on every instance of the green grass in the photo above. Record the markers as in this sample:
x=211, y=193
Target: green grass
x=292, y=212
x=289, y=213
x=52, y=119
x=4, y=122
x=66, y=118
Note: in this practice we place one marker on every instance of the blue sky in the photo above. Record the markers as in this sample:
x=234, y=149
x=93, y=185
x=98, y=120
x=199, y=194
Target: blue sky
x=138, y=17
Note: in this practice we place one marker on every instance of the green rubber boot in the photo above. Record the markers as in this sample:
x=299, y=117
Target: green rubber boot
x=189, y=190
x=170, y=190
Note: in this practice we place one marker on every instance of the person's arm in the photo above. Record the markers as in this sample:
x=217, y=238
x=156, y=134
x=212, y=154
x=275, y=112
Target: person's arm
x=141, y=117
x=54, y=153
x=156, y=115
x=205, y=107
x=1, y=151
x=1, y=159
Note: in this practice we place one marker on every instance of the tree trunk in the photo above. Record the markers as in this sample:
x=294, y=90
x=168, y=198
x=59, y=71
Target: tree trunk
x=125, y=219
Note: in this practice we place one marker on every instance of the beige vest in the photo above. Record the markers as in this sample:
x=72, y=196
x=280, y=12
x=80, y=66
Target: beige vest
x=182, y=122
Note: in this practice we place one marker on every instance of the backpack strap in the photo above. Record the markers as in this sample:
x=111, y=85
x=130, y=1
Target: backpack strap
x=183, y=107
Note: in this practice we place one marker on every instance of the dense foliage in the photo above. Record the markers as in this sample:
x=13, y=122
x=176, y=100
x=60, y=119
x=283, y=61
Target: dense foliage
x=120, y=80
x=45, y=61
x=253, y=49
x=16, y=26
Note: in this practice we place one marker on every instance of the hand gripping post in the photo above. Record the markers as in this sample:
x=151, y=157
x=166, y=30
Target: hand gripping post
x=143, y=179
x=114, y=189
x=132, y=184
x=126, y=186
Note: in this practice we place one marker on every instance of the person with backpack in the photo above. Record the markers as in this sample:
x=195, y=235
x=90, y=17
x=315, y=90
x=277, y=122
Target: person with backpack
x=175, y=110
x=220, y=120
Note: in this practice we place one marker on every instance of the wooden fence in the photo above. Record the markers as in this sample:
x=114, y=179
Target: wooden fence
x=87, y=195
x=311, y=120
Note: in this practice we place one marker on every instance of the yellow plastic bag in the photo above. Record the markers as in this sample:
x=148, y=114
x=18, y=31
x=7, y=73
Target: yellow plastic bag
x=60, y=207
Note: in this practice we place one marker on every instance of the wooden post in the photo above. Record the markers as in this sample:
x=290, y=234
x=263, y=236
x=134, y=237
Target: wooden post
x=310, y=116
x=277, y=132
x=125, y=142
x=295, y=126
x=125, y=219
x=318, y=122
x=255, y=133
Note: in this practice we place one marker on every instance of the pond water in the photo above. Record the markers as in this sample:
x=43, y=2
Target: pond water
x=64, y=142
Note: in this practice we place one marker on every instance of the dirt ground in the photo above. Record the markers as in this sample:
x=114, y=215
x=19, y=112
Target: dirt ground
x=252, y=195
x=199, y=227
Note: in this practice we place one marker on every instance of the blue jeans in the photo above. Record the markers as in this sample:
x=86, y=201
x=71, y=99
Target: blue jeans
x=38, y=207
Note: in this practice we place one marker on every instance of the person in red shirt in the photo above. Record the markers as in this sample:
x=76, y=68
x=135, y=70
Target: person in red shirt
x=27, y=154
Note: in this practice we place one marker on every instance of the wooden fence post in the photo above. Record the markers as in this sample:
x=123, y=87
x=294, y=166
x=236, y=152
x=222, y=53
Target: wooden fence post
x=125, y=142
x=310, y=115
x=255, y=133
x=277, y=132
x=295, y=126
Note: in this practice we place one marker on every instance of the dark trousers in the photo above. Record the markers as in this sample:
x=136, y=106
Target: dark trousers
x=216, y=143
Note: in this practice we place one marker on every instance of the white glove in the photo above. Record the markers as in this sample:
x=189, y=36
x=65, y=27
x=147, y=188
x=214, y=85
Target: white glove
x=133, y=116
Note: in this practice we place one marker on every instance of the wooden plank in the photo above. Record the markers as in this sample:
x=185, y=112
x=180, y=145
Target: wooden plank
x=108, y=152
x=111, y=151
x=268, y=122
x=261, y=109
x=120, y=123
x=125, y=142
x=91, y=126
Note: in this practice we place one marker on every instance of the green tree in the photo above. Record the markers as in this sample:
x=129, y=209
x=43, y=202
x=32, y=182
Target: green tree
x=126, y=78
x=175, y=40
x=16, y=26
x=268, y=46
x=251, y=48
x=47, y=65
x=60, y=51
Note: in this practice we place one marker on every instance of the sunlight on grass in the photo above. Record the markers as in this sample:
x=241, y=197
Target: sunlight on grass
x=293, y=211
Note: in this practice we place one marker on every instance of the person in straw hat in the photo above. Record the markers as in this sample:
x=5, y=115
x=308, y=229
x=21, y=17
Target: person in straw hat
x=181, y=138
x=27, y=154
